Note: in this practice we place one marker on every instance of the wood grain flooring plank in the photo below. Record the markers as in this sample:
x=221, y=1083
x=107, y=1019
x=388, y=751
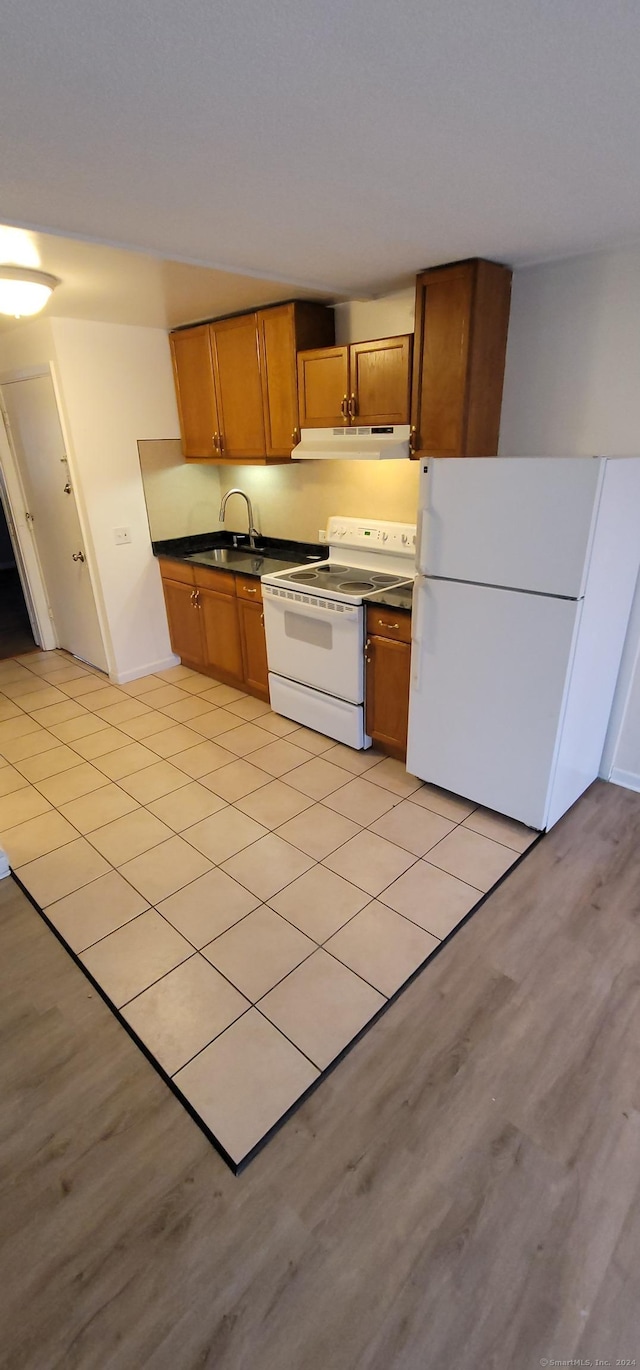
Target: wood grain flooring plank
x=462, y=1190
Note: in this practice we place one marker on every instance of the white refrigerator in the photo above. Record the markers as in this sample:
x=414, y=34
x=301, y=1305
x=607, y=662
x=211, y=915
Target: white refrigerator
x=526, y=573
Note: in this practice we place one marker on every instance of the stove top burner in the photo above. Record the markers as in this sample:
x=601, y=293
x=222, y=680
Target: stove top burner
x=356, y=587
x=334, y=579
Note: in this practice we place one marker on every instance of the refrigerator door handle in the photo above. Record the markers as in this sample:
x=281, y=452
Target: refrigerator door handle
x=419, y=548
x=418, y=645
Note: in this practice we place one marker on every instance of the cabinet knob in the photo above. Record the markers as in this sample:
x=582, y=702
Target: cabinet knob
x=352, y=407
x=294, y=437
x=344, y=407
x=251, y=590
x=413, y=438
x=382, y=623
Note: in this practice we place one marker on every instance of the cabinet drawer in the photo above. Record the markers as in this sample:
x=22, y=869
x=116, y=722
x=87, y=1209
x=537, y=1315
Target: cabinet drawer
x=393, y=623
x=176, y=570
x=223, y=582
x=249, y=587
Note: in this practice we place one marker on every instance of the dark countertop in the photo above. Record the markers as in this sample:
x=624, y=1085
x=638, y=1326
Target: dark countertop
x=400, y=598
x=231, y=552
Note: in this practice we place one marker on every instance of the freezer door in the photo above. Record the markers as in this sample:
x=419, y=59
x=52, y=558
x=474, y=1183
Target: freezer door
x=523, y=522
x=489, y=676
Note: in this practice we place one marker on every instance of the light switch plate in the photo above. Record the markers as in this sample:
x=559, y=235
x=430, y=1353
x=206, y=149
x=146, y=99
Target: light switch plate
x=121, y=535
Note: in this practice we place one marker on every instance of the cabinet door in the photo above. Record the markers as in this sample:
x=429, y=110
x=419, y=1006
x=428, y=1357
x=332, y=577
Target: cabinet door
x=276, y=328
x=254, y=648
x=185, y=623
x=387, y=693
x=443, y=322
x=237, y=373
x=221, y=630
x=195, y=391
x=462, y=318
x=323, y=384
x=380, y=379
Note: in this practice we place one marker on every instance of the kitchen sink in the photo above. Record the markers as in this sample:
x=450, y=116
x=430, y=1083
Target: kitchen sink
x=260, y=560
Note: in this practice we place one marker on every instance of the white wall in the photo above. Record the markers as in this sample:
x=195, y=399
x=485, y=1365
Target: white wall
x=114, y=385
x=25, y=346
x=572, y=386
x=116, y=388
x=386, y=317
x=183, y=498
x=297, y=499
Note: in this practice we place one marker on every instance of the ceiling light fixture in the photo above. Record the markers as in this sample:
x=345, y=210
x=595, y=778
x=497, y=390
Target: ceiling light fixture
x=23, y=291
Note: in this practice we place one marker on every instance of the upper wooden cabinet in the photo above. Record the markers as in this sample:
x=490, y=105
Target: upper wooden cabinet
x=323, y=384
x=236, y=365
x=380, y=379
x=462, y=317
x=195, y=390
x=236, y=381
x=282, y=331
x=366, y=383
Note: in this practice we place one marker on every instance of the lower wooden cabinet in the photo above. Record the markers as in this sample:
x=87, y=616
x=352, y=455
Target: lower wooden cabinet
x=185, y=623
x=216, y=625
x=254, y=644
x=223, y=649
x=388, y=675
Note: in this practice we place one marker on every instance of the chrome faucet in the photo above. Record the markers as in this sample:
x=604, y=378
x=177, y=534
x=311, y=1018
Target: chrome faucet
x=253, y=531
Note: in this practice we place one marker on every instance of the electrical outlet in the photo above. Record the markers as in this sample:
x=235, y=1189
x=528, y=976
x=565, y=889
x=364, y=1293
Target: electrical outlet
x=322, y=535
x=121, y=535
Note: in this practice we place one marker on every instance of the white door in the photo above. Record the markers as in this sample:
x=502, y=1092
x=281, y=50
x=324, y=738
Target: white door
x=490, y=670
x=35, y=433
x=525, y=522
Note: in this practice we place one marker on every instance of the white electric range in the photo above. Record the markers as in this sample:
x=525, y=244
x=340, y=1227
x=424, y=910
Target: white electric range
x=314, y=621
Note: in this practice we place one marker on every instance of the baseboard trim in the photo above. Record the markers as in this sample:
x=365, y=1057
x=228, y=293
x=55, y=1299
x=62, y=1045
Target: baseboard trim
x=628, y=779
x=124, y=677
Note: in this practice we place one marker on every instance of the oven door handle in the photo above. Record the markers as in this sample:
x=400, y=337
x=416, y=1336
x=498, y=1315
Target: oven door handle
x=345, y=614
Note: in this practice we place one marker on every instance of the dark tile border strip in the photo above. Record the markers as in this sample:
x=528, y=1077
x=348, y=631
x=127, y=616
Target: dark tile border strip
x=237, y=1167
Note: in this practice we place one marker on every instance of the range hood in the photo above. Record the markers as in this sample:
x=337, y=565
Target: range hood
x=378, y=443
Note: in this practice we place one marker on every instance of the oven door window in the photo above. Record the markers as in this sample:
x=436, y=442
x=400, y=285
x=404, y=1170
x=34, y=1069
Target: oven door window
x=314, y=632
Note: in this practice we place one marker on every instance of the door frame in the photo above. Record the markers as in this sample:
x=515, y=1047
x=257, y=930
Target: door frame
x=18, y=507
x=5, y=505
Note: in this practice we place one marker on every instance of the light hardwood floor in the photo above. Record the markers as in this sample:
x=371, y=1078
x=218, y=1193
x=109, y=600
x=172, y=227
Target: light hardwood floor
x=463, y=1191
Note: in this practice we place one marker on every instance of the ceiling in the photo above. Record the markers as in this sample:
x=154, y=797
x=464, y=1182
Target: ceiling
x=338, y=145
x=113, y=285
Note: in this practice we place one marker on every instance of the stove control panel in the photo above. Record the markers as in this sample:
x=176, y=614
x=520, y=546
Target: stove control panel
x=376, y=536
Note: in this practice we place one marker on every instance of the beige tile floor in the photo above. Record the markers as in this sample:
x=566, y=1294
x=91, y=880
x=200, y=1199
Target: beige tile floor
x=247, y=893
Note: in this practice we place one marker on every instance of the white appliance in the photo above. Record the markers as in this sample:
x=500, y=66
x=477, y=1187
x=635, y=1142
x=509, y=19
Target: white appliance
x=381, y=442
x=314, y=623
x=526, y=573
